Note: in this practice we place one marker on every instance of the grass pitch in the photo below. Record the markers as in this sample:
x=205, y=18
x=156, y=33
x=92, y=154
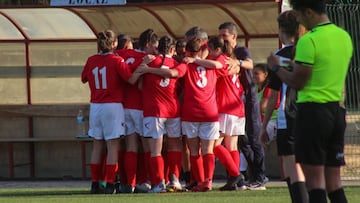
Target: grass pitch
x=79, y=195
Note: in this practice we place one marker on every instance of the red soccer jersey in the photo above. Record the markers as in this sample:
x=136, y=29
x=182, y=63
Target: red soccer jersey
x=266, y=94
x=106, y=75
x=159, y=93
x=229, y=92
x=199, y=103
x=132, y=96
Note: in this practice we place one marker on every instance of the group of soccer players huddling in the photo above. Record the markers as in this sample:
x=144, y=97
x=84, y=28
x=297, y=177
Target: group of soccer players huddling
x=161, y=107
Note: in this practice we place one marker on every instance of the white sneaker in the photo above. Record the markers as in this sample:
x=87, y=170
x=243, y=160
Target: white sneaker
x=174, y=184
x=143, y=188
x=158, y=188
x=257, y=186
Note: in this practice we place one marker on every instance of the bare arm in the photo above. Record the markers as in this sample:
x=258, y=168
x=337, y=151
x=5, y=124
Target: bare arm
x=232, y=70
x=271, y=104
x=141, y=69
x=246, y=64
x=135, y=76
x=204, y=62
x=269, y=109
x=296, y=78
x=263, y=104
x=168, y=73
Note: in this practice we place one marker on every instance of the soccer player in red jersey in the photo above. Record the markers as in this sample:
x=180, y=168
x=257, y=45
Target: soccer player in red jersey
x=199, y=34
x=200, y=121
x=124, y=44
x=231, y=107
x=249, y=144
x=162, y=115
x=148, y=42
x=106, y=74
x=231, y=111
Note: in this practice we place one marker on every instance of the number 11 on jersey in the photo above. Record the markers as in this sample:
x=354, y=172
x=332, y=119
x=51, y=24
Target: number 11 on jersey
x=102, y=74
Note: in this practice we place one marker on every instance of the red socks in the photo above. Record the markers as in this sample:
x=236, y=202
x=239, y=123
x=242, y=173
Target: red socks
x=174, y=162
x=209, y=166
x=227, y=161
x=157, y=170
x=95, y=172
x=110, y=173
x=236, y=157
x=197, y=168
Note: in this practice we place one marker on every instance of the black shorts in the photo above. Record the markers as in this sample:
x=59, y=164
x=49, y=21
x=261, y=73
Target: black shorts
x=285, y=140
x=319, y=134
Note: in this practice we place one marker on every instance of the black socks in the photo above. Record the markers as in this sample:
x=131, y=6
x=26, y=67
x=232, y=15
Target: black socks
x=337, y=196
x=317, y=196
x=299, y=193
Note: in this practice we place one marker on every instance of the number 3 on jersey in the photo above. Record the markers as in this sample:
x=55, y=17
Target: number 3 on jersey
x=202, y=74
x=165, y=81
x=100, y=73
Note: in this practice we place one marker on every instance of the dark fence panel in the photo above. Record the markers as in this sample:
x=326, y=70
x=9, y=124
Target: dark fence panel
x=347, y=15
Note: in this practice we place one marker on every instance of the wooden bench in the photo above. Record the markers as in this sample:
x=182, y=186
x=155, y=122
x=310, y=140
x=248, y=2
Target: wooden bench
x=33, y=111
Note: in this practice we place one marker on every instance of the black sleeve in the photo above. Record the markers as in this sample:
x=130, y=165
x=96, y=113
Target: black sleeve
x=274, y=81
x=241, y=53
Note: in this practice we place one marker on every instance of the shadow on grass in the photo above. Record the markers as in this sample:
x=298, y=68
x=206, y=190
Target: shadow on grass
x=35, y=193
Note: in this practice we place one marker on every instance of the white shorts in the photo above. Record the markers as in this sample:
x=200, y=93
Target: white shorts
x=271, y=130
x=203, y=130
x=133, y=121
x=106, y=121
x=155, y=127
x=231, y=125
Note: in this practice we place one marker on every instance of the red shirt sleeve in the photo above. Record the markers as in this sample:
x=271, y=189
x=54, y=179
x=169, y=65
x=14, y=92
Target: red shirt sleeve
x=266, y=94
x=123, y=70
x=181, y=68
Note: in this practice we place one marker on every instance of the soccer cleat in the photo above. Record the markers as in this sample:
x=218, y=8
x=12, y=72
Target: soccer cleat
x=231, y=183
x=241, y=185
x=159, y=188
x=95, y=188
x=118, y=187
x=109, y=189
x=126, y=189
x=174, y=184
x=265, y=180
x=203, y=187
x=102, y=185
x=190, y=186
x=142, y=188
x=257, y=186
